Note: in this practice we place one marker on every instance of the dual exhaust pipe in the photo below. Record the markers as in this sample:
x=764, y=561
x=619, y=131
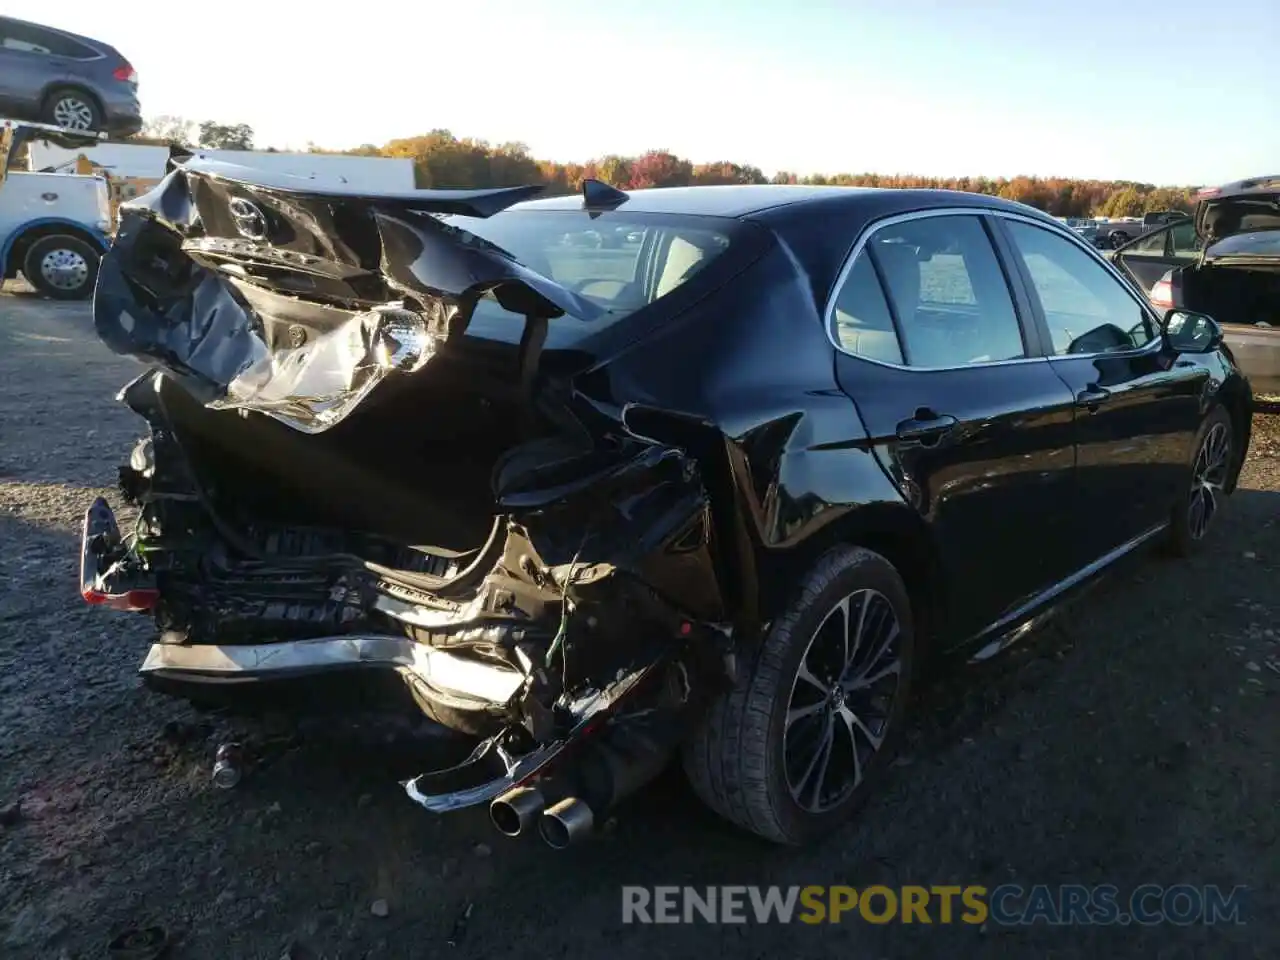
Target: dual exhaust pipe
x=561, y=825
x=604, y=774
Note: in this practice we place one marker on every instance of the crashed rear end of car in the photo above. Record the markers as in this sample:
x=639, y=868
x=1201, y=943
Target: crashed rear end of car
x=346, y=477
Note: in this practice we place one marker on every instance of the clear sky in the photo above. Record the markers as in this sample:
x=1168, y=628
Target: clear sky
x=1163, y=91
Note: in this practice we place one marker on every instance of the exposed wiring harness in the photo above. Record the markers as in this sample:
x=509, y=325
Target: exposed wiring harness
x=558, y=640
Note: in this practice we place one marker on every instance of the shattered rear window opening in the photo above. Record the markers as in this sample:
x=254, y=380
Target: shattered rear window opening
x=301, y=313
x=619, y=263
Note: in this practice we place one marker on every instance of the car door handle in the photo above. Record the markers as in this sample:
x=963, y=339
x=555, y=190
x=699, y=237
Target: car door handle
x=926, y=427
x=1092, y=396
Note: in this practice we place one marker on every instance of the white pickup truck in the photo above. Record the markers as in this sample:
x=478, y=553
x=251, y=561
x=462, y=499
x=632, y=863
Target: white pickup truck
x=53, y=226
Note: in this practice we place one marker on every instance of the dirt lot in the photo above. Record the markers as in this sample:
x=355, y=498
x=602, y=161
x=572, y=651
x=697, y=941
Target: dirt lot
x=1135, y=742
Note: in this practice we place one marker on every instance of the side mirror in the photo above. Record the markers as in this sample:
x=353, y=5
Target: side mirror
x=1186, y=331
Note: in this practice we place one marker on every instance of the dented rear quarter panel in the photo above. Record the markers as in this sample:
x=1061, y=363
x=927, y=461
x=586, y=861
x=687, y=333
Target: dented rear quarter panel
x=784, y=453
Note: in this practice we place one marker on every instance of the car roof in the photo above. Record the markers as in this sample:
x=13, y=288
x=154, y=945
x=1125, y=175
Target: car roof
x=746, y=200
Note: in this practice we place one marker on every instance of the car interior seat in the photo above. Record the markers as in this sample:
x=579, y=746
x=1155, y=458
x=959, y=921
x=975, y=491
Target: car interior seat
x=864, y=325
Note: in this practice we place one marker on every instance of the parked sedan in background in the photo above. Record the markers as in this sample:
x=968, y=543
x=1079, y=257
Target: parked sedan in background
x=719, y=494
x=1226, y=263
x=51, y=76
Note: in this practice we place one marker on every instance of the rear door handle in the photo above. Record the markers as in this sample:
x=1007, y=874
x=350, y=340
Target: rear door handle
x=926, y=427
x=1092, y=396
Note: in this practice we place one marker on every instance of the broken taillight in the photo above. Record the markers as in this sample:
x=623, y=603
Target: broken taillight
x=131, y=601
x=126, y=73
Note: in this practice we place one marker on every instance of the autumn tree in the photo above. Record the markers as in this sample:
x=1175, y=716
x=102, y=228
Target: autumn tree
x=1123, y=203
x=726, y=172
x=166, y=129
x=659, y=168
x=442, y=160
x=613, y=170
x=511, y=166
x=225, y=136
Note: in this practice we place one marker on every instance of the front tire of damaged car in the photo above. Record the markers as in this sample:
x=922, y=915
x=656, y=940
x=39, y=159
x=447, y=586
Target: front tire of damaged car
x=792, y=749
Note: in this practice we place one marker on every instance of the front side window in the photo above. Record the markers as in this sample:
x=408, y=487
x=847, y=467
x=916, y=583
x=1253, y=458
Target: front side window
x=947, y=292
x=1087, y=309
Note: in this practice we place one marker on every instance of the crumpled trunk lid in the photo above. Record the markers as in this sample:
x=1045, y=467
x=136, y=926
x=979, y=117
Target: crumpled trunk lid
x=266, y=293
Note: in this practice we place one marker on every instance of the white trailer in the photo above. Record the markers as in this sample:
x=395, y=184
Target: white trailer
x=136, y=161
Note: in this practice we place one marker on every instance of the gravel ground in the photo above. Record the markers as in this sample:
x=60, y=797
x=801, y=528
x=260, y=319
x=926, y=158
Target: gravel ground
x=1133, y=742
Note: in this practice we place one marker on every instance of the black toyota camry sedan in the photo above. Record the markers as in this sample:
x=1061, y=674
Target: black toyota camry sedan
x=714, y=490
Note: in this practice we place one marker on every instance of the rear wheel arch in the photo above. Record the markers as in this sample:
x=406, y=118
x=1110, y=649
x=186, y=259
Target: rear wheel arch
x=894, y=532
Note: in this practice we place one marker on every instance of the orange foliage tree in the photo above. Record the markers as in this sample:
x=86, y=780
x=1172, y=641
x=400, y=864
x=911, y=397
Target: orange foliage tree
x=442, y=160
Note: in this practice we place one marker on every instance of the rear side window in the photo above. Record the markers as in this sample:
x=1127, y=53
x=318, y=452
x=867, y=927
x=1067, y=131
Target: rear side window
x=863, y=323
x=944, y=290
x=21, y=36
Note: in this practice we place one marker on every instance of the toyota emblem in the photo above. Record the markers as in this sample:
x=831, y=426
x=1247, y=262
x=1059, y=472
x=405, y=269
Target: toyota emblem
x=250, y=221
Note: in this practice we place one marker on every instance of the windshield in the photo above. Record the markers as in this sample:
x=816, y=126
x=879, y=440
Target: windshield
x=620, y=262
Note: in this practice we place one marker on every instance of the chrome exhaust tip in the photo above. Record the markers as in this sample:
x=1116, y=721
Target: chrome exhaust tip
x=566, y=823
x=513, y=813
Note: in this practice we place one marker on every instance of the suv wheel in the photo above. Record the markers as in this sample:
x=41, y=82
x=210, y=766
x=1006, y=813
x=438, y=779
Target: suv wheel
x=791, y=750
x=62, y=267
x=73, y=110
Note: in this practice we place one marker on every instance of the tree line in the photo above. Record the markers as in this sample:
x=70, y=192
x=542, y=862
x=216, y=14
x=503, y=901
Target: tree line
x=442, y=160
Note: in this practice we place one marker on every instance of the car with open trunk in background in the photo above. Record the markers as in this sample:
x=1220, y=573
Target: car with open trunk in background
x=1225, y=261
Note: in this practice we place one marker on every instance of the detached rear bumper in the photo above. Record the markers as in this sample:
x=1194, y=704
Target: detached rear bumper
x=493, y=767
x=444, y=673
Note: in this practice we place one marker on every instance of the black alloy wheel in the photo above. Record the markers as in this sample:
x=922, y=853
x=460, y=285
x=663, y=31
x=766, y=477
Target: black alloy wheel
x=793, y=748
x=1197, y=509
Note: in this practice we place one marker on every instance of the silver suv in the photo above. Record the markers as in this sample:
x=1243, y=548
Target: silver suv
x=51, y=76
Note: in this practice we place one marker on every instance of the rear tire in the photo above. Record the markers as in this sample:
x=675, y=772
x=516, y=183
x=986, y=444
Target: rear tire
x=1199, y=505
x=62, y=267
x=72, y=109
x=753, y=757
